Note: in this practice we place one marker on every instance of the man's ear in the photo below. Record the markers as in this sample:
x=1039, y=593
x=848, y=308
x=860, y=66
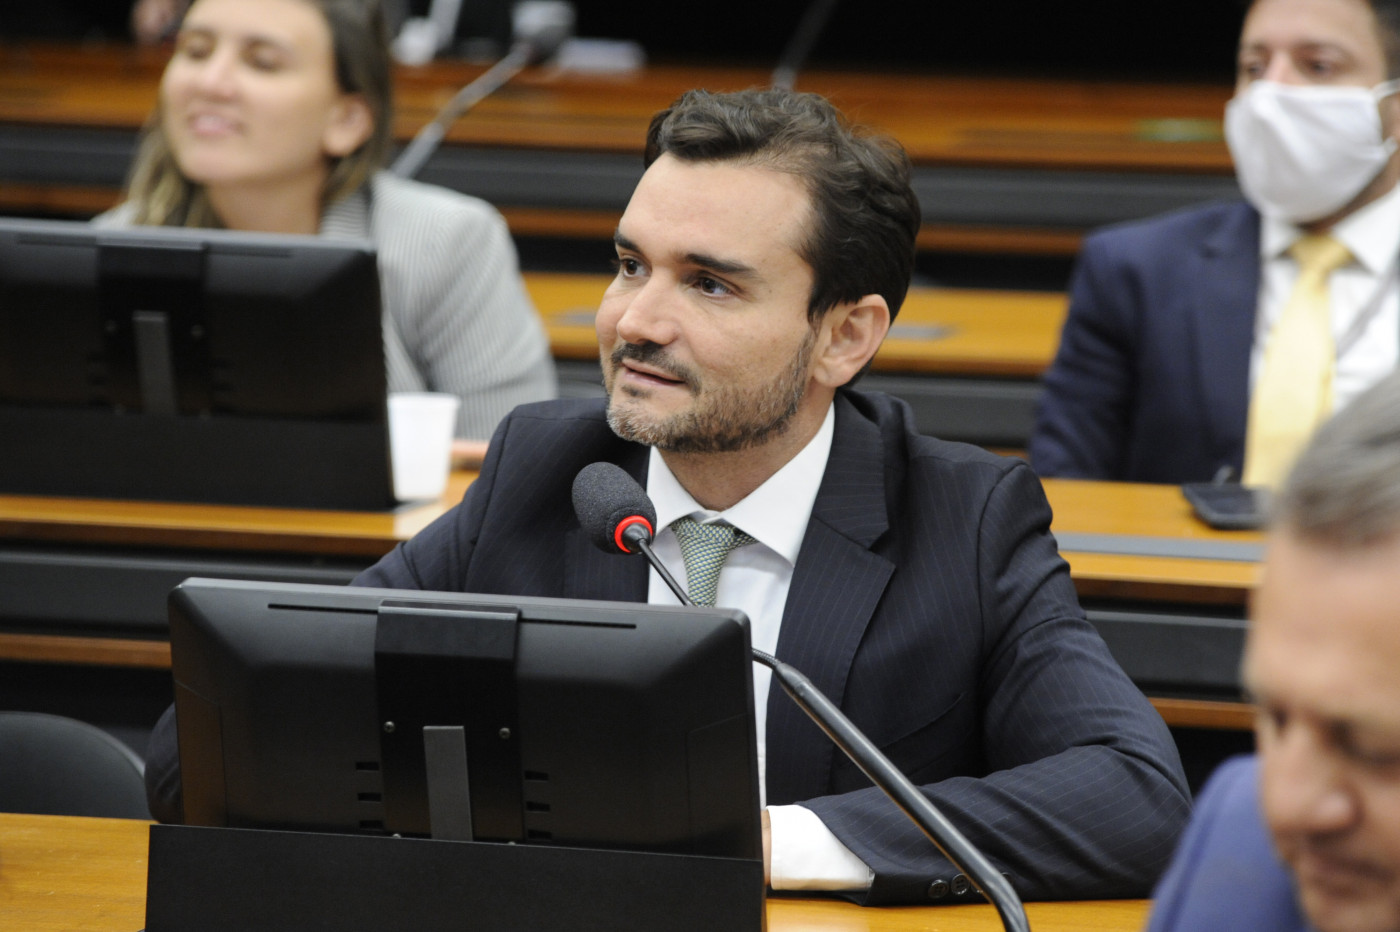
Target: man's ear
x=1390, y=115
x=848, y=336
x=350, y=125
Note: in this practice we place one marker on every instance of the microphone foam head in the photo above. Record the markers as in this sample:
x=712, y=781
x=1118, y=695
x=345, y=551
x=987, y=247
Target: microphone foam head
x=605, y=497
x=542, y=25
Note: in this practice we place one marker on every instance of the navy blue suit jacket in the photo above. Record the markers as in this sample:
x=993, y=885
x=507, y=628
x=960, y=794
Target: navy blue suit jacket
x=1225, y=876
x=1151, y=380
x=928, y=601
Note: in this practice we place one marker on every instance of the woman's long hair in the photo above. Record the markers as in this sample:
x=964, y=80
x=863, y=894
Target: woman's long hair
x=163, y=196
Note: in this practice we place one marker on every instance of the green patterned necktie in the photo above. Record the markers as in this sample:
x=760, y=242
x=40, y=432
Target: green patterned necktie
x=704, y=548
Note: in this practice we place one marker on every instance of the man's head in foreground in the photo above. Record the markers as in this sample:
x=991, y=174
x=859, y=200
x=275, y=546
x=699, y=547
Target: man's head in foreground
x=1323, y=663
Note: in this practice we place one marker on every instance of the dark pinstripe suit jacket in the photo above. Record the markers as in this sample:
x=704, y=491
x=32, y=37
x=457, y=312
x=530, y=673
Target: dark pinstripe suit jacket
x=929, y=601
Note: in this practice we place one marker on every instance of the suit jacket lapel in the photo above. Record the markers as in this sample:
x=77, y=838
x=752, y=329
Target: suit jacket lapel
x=1222, y=301
x=835, y=587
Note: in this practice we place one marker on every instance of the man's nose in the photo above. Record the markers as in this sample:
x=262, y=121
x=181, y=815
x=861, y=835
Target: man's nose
x=1304, y=784
x=1282, y=70
x=650, y=314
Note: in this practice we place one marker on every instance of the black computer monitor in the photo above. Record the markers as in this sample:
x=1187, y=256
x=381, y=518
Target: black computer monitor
x=589, y=724
x=191, y=365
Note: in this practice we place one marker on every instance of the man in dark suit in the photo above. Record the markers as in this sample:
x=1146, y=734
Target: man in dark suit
x=760, y=261
x=1307, y=836
x=1171, y=319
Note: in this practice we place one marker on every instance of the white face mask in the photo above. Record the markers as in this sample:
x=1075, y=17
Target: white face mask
x=1303, y=152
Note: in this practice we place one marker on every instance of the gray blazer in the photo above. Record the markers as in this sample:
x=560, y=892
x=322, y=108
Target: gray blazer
x=457, y=318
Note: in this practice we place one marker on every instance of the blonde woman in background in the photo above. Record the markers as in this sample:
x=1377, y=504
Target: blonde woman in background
x=275, y=116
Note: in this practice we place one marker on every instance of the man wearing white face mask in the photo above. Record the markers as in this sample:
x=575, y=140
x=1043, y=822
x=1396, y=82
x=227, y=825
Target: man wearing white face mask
x=1212, y=341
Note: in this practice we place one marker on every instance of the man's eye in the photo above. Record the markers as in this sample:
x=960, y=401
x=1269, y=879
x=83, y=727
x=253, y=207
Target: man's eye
x=626, y=265
x=1381, y=759
x=1378, y=751
x=711, y=286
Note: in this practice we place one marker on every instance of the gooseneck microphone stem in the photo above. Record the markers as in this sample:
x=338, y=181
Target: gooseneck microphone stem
x=416, y=154
x=901, y=791
x=875, y=765
x=644, y=546
x=619, y=517
x=794, y=56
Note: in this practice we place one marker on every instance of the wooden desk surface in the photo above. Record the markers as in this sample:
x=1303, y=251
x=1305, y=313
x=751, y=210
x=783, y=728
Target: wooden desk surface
x=939, y=119
x=947, y=331
x=61, y=874
x=1140, y=510
x=219, y=527
x=945, y=123
x=1081, y=507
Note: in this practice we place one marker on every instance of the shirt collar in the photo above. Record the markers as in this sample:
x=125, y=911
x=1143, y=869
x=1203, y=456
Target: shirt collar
x=775, y=514
x=1371, y=233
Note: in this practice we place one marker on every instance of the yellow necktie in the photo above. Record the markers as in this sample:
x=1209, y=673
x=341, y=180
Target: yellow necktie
x=1293, y=394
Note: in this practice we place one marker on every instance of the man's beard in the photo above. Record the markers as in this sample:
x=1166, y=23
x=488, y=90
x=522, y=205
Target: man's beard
x=724, y=419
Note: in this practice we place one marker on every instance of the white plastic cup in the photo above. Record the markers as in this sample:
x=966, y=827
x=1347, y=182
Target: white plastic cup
x=421, y=425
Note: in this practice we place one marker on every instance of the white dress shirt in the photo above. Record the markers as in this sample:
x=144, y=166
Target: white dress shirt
x=1365, y=294
x=755, y=580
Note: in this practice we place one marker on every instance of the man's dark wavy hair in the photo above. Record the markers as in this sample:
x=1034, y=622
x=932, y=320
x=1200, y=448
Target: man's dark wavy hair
x=865, y=214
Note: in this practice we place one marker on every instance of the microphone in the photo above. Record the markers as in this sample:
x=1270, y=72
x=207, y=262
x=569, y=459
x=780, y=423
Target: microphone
x=615, y=512
x=612, y=507
x=606, y=498
x=537, y=38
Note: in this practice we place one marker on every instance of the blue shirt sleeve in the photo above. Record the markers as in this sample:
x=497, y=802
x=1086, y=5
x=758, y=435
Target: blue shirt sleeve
x=1225, y=875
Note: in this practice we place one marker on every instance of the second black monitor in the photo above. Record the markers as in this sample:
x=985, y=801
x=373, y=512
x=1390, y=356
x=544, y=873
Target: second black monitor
x=191, y=365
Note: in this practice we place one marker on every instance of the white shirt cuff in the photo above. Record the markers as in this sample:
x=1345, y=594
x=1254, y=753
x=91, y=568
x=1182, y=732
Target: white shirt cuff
x=806, y=856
